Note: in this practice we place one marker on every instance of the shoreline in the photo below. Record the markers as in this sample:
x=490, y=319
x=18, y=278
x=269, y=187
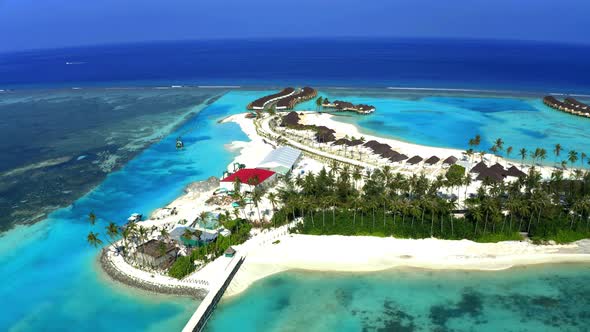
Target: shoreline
x=115, y=275
x=364, y=254
x=132, y=150
x=330, y=120
x=341, y=253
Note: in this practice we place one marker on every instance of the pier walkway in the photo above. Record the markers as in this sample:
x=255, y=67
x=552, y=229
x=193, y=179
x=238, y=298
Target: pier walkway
x=223, y=278
x=198, y=320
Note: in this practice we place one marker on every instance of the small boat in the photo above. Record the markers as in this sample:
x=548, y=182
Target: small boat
x=179, y=144
x=135, y=217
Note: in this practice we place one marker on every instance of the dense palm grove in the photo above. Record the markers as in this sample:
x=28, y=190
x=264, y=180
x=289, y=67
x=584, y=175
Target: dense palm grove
x=348, y=201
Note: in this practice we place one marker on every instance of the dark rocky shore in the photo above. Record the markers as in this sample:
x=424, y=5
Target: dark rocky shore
x=108, y=267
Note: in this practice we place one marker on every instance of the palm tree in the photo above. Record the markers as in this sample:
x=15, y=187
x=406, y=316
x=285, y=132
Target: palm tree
x=557, y=150
x=572, y=157
x=522, y=152
x=356, y=176
x=508, y=151
x=319, y=102
x=563, y=164
x=272, y=198
x=92, y=218
x=477, y=140
x=164, y=234
x=112, y=232
x=542, y=154
x=582, y=157
x=93, y=239
x=125, y=233
x=499, y=144
x=466, y=182
x=256, y=198
x=142, y=234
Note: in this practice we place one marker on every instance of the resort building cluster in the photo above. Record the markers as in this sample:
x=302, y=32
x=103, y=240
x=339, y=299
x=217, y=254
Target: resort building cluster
x=298, y=143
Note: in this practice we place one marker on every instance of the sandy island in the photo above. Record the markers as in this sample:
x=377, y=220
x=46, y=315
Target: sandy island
x=265, y=257
x=365, y=253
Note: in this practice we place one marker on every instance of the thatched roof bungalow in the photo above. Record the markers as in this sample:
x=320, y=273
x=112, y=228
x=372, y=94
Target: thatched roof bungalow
x=291, y=119
x=479, y=167
x=515, y=172
x=490, y=175
x=432, y=160
x=414, y=160
x=452, y=160
x=398, y=158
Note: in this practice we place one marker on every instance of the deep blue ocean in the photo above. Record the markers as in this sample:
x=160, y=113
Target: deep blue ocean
x=49, y=278
x=457, y=64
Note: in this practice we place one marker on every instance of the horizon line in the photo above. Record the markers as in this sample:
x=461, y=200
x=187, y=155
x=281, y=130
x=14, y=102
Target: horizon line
x=310, y=38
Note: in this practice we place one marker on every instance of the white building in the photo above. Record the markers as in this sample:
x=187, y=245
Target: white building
x=281, y=160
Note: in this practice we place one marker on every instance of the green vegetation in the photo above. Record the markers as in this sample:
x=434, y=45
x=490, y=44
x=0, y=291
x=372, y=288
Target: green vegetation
x=182, y=267
x=240, y=231
x=391, y=204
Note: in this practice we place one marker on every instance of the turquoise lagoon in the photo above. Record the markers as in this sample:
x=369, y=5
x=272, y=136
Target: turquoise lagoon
x=49, y=278
x=537, y=298
x=450, y=119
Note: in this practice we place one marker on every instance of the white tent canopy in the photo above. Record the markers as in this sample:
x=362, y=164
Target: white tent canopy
x=283, y=158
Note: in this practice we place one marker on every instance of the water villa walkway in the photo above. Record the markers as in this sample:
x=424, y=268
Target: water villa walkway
x=569, y=105
x=261, y=103
x=304, y=94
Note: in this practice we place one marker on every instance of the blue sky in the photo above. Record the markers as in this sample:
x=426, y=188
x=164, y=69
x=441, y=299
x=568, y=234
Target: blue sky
x=26, y=24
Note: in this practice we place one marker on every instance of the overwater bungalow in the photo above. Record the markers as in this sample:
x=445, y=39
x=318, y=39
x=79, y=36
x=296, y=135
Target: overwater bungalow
x=261, y=103
x=290, y=101
x=340, y=105
x=570, y=105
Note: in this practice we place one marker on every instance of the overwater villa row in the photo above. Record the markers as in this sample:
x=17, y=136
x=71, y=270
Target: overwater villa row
x=569, y=105
x=261, y=103
x=340, y=105
x=304, y=94
x=284, y=100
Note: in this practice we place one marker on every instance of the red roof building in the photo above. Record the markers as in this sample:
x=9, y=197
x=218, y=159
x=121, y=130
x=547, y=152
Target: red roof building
x=246, y=174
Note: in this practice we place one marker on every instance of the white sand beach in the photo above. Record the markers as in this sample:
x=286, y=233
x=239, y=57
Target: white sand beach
x=342, y=253
x=365, y=254
x=410, y=149
x=342, y=128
